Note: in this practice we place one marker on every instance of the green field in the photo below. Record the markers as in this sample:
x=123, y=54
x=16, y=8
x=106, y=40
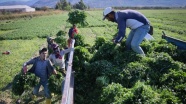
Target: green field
x=25, y=36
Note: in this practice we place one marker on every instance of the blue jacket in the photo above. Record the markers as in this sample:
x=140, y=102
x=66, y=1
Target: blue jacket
x=128, y=18
x=42, y=74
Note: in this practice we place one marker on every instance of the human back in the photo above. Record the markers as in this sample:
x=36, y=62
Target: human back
x=132, y=18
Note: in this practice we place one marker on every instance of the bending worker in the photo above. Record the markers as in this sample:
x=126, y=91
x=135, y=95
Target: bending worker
x=132, y=19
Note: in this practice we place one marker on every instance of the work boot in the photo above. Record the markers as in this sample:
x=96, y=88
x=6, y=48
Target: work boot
x=48, y=101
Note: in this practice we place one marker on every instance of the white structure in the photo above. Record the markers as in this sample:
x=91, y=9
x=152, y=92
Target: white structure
x=17, y=8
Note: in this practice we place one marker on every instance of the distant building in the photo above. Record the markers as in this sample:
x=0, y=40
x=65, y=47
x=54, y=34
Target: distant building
x=16, y=8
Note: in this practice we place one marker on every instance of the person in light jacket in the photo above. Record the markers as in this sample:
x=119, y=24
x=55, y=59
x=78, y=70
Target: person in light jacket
x=57, y=57
x=132, y=19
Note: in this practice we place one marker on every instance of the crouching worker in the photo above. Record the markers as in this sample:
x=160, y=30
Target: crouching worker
x=57, y=57
x=42, y=68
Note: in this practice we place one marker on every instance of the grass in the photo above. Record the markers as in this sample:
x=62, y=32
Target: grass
x=29, y=28
x=21, y=51
x=10, y=16
x=5, y=32
x=172, y=22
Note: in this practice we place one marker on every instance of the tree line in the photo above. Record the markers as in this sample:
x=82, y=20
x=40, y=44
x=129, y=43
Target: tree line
x=64, y=5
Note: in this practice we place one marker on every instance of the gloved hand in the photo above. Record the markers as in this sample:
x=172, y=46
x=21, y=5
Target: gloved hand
x=113, y=40
x=58, y=76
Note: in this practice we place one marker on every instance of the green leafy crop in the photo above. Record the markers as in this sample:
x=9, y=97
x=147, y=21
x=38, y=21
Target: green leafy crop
x=77, y=17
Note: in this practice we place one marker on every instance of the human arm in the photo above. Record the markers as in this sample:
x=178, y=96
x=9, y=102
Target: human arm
x=55, y=72
x=24, y=68
x=65, y=51
x=121, y=31
x=50, y=68
x=51, y=59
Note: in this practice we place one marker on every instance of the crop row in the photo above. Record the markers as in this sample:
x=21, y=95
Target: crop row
x=34, y=27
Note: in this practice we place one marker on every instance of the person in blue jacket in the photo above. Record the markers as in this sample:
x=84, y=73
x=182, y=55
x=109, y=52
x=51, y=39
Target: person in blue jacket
x=42, y=68
x=132, y=19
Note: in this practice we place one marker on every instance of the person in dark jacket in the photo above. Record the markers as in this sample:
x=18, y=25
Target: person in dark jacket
x=72, y=32
x=132, y=19
x=42, y=68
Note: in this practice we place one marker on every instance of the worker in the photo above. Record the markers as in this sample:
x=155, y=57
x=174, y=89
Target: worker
x=51, y=42
x=42, y=68
x=57, y=57
x=132, y=19
x=72, y=32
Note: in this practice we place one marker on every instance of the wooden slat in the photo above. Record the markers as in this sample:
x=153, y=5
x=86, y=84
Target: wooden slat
x=68, y=90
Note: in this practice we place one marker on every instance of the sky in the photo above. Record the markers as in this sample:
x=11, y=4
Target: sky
x=1, y=1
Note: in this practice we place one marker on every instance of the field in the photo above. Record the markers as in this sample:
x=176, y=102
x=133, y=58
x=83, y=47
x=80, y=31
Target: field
x=23, y=37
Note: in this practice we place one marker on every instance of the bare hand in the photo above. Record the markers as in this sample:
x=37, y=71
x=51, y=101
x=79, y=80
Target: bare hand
x=24, y=69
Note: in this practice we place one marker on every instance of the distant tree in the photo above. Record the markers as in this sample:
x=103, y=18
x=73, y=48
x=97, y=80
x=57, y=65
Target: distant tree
x=80, y=5
x=58, y=6
x=63, y=5
x=88, y=7
x=45, y=8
